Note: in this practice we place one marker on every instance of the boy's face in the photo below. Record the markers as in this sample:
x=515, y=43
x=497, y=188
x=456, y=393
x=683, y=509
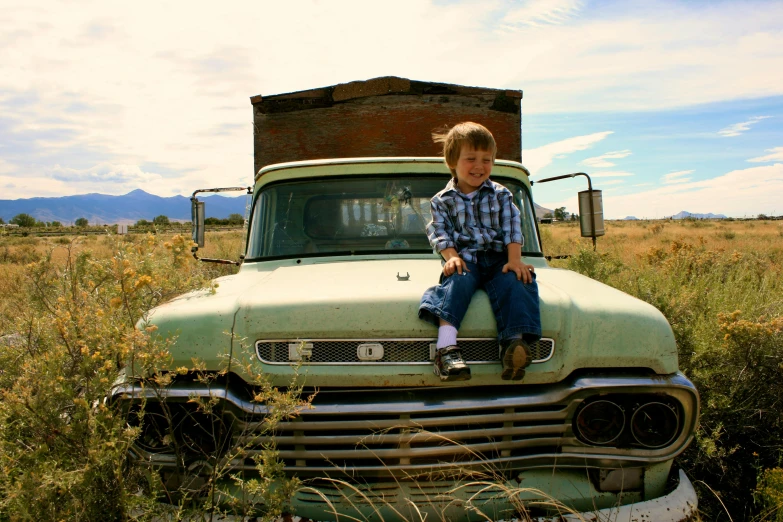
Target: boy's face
x=473, y=168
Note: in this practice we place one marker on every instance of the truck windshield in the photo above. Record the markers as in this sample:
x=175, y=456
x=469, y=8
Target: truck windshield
x=356, y=215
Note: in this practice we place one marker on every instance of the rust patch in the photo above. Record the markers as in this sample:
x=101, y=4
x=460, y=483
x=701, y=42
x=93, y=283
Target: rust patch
x=387, y=125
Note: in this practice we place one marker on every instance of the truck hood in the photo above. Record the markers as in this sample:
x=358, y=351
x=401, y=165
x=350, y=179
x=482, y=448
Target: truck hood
x=593, y=325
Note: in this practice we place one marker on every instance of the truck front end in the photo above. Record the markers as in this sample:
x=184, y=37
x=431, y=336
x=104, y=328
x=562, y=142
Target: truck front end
x=326, y=301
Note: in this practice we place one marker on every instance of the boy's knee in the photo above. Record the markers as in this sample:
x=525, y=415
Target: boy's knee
x=463, y=280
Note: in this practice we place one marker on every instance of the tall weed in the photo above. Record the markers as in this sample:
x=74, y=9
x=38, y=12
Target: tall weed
x=63, y=448
x=726, y=311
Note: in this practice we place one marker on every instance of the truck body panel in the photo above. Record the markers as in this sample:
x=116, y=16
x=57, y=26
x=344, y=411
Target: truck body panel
x=366, y=291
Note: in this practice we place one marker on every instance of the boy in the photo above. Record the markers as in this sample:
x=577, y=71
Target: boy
x=476, y=228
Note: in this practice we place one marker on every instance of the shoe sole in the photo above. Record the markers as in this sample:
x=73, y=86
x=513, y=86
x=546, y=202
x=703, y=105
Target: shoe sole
x=515, y=360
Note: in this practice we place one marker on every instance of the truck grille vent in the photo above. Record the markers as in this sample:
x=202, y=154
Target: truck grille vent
x=379, y=444
x=395, y=351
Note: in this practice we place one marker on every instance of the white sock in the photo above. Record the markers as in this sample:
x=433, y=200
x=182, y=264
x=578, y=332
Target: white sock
x=447, y=336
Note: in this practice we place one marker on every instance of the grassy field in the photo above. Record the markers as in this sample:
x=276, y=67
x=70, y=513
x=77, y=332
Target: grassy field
x=720, y=285
x=68, y=309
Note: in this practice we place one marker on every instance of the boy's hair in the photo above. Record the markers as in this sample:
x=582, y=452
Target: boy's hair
x=473, y=135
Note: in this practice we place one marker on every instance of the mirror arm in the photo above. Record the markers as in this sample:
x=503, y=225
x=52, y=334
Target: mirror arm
x=590, y=199
x=209, y=260
x=197, y=213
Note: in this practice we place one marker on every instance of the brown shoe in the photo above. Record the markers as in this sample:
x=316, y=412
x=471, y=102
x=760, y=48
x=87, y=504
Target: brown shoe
x=449, y=365
x=515, y=356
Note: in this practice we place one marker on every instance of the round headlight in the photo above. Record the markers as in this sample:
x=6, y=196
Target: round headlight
x=600, y=422
x=655, y=424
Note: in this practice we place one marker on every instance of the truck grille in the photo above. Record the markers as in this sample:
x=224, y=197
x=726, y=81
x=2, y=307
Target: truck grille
x=372, y=442
x=395, y=351
x=424, y=433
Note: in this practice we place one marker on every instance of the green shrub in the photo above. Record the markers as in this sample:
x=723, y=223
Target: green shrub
x=733, y=357
x=62, y=447
x=595, y=265
x=770, y=493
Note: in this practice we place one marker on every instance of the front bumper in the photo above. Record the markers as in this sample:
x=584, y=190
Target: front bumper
x=678, y=506
x=481, y=501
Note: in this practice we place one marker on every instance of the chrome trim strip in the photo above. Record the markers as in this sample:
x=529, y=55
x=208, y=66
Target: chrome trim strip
x=551, y=353
x=541, y=460
x=401, y=339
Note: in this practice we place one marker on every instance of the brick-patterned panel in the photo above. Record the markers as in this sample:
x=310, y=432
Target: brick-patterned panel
x=366, y=122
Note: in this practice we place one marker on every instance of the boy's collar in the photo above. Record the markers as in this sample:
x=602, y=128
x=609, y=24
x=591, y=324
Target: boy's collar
x=452, y=186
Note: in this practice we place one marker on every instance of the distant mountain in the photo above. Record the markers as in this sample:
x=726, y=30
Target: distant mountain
x=541, y=211
x=101, y=209
x=684, y=214
x=630, y=218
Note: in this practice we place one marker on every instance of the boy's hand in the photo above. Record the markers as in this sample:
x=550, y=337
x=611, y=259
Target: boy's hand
x=523, y=271
x=454, y=264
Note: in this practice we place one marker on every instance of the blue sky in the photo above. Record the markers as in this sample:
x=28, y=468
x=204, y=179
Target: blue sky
x=669, y=106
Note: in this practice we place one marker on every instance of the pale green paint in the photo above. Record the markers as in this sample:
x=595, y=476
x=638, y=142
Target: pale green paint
x=594, y=326
x=566, y=490
x=359, y=297
x=365, y=166
x=655, y=478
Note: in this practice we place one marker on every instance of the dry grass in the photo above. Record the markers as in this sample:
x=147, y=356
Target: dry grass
x=628, y=241
x=718, y=283
x=17, y=252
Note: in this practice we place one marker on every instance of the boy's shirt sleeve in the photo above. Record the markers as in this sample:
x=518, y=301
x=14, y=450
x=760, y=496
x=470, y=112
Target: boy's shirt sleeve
x=440, y=228
x=510, y=221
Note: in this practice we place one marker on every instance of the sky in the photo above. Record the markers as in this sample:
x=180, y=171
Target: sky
x=668, y=106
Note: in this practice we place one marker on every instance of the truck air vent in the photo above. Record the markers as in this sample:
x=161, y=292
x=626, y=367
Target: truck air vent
x=395, y=351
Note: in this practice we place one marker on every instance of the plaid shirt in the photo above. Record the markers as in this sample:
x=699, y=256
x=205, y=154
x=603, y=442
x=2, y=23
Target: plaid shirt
x=488, y=221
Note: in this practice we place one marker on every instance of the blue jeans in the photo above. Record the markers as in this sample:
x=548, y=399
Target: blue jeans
x=514, y=303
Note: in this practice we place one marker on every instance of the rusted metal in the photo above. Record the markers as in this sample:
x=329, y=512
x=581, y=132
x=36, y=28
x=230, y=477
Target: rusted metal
x=384, y=117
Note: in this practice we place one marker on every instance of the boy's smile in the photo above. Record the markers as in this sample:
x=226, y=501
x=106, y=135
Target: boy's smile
x=473, y=168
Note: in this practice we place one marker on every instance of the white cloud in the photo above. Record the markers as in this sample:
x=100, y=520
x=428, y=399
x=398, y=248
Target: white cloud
x=145, y=82
x=539, y=157
x=746, y=192
x=103, y=178
x=738, y=128
x=738, y=193
x=651, y=55
x=6, y=167
x=611, y=174
x=106, y=173
x=602, y=160
x=677, y=177
x=543, y=12
x=611, y=182
x=777, y=155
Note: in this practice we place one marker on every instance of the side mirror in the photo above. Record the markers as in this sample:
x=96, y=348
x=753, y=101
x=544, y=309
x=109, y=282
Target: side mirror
x=591, y=207
x=591, y=213
x=197, y=214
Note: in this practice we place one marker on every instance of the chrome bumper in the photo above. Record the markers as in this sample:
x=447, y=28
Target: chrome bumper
x=678, y=506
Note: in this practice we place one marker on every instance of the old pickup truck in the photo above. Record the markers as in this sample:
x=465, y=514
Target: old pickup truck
x=335, y=264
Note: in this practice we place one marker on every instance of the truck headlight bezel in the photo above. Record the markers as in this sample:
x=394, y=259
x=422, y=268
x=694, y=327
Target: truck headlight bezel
x=648, y=421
